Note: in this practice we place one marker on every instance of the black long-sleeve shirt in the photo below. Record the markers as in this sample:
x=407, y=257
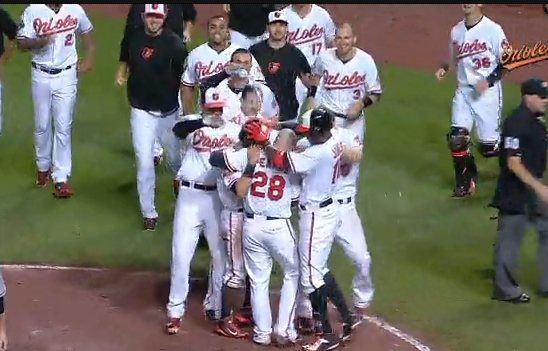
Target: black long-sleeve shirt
x=155, y=64
x=177, y=16
x=7, y=27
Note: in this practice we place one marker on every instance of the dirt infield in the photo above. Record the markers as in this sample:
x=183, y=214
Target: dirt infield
x=63, y=310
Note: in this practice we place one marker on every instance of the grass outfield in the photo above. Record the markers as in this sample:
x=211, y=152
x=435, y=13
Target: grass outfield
x=430, y=253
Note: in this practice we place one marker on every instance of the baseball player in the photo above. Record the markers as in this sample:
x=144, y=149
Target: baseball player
x=247, y=22
x=152, y=90
x=311, y=29
x=198, y=205
x=267, y=233
x=3, y=334
x=476, y=45
x=319, y=219
x=9, y=29
x=210, y=59
x=350, y=81
x=231, y=88
x=49, y=32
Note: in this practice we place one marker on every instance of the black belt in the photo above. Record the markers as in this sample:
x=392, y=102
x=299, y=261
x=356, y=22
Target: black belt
x=49, y=70
x=323, y=204
x=198, y=186
x=240, y=210
x=345, y=201
x=268, y=218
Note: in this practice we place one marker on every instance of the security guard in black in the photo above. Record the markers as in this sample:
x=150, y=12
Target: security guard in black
x=156, y=64
x=7, y=27
x=520, y=196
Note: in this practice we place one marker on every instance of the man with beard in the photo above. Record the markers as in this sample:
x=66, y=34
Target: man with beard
x=282, y=63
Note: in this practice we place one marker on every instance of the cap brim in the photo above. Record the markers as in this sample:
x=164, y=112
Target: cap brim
x=220, y=104
x=278, y=20
x=155, y=14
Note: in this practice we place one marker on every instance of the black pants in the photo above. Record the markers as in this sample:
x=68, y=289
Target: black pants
x=510, y=232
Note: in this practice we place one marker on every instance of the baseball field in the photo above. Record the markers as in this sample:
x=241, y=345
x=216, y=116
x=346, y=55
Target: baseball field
x=431, y=254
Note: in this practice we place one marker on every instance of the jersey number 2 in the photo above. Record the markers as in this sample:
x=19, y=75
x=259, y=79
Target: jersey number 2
x=276, y=185
x=69, y=39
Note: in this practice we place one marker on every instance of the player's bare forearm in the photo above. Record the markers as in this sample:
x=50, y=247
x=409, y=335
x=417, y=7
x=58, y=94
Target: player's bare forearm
x=296, y=127
x=516, y=166
x=27, y=44
x=351, y=155
x=187, y=99
x=89, y=47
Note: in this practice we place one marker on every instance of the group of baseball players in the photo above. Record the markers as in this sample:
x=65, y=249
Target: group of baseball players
x=240, y=166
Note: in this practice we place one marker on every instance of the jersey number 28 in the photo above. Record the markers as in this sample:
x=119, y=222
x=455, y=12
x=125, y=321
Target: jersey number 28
x=275, y=190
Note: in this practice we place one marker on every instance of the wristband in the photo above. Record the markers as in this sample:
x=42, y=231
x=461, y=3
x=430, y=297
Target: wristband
x=367, y=101
x=2, y=306
x=249, y=171
x=495, y=76
x=312, y=91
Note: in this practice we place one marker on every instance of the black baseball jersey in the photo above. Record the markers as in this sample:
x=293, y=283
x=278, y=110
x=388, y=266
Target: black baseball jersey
x=7, y=27
x=280, y=68
x=156, y=64
x=523, y=135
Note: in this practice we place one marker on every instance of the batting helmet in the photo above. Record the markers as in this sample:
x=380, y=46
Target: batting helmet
x=321, y=120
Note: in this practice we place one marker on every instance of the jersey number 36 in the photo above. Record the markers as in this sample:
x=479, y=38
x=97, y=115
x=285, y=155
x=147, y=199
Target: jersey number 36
x=274, y=186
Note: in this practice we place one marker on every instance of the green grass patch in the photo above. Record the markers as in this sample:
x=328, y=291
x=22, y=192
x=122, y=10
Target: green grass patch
x=430, y=253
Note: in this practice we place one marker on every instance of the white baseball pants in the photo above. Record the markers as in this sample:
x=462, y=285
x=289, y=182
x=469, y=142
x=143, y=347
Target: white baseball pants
x=351, y=238
x=145, y=127
x=54, y=96
x=263, y=240
x=196, y=211
x=231, y=232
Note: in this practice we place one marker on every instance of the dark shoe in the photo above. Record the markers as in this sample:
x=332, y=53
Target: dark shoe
x=323, y=342
x=149, y=224
x=523, y=298
x=62, y=190
x=210, y=315
x=42, y=179
x=464, y=191
x=244, y=319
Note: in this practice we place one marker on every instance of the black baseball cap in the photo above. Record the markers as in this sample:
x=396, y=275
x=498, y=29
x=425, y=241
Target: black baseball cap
x=535, y=86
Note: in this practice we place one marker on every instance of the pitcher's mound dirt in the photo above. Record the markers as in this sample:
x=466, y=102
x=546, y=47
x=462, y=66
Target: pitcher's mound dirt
x=75, y=310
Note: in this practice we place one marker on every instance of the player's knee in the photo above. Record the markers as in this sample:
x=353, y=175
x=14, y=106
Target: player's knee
x=488, y=149
x=458, y=140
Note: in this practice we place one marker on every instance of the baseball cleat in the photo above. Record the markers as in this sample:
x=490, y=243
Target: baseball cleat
x=227, y=327
x=172, y=325
x=323, y=342
x=149, y=224
x=243, y=318
x=62, y=190
x=210, y=315
x=349, y=326
x=464, y=191
x=42, y=179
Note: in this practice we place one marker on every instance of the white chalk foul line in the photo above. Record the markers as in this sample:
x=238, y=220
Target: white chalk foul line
x=417, y=344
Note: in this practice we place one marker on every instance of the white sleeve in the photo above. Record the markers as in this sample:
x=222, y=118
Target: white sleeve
x=84, y=24
x=317, y=66
x=230, y=178
x=499, y=42
x=235, y=160
x=189, y=75
x=295, y=181
x=330, y=29
x=303, y=162
x=26, y=29
x=269, y=106
x=372, y=80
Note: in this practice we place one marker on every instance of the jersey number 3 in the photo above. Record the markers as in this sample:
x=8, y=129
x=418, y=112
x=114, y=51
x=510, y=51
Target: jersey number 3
x=276, y=185
x=69, y=39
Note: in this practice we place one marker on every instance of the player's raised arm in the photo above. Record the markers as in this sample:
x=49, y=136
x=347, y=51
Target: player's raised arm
x=183, y=128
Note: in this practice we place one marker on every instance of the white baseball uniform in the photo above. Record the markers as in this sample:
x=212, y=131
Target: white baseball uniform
x=268, y=234
x=198, y=210
x=54, y=82
x=233, y=106
x=344, y=83
x=232, y=218
x=477, y=51
x=318, y=212
x=310, y=34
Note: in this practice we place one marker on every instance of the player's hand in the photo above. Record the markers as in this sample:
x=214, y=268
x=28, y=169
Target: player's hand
x=120, y=79
x=3, y=341
x=84, y=66
x=440, y=74
x=354, y=111
x=253, y=154
x=481, y=86
x=257, y=132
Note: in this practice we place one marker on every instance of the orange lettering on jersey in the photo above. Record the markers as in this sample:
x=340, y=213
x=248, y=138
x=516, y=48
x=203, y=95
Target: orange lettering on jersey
x=204, y=143
x=205, y=70
x=526, y=55
x=50, y=26
x=307, y=35
x=339, y=81
x=468, y=49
